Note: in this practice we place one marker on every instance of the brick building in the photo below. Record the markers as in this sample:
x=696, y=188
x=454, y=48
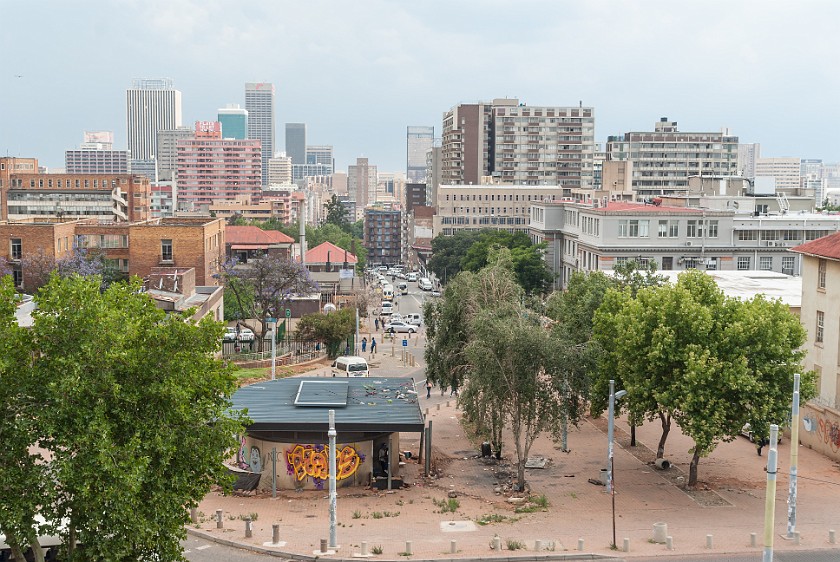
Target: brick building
x=134, y=248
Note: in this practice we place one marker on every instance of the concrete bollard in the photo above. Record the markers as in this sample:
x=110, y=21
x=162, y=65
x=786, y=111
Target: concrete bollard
x=660, y=531
x=275, y=533
x=248, y=530
x=408, y=548
x=669, y=542
x=753, y=539
x=364, y=548
x=453, y=546
x=438, y=407
x=709, y=542
x=497, y=543
x=323, y=545
x=219, y=521
x=626, y=544
x=193, y=515
x=796, y=538
x=832, y=537
x=427, y=411
x=447, y=403
x=537, y=545
x=580, y=544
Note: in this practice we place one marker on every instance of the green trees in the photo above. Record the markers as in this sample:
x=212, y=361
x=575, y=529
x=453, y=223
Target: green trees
x=332, y=328
x=336, y=212
x=129, y=406
x=711, y=363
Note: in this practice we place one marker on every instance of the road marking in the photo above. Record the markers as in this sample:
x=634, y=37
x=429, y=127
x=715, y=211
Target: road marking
x=203, y=547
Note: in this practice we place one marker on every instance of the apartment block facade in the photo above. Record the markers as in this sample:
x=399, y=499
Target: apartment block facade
x=665, y=158
x=383, y=229
x=93, y=161
x=517, y=144
x=212, y=169
x=134, y=248
x=597, y=236
x=499, y=207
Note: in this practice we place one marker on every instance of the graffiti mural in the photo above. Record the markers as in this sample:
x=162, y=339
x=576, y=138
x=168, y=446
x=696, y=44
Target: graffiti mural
x=241, y=459
x=313, y=461
x=256, y=460
x=829, y=432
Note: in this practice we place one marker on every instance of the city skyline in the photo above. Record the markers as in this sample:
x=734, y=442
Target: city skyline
x=706, y=65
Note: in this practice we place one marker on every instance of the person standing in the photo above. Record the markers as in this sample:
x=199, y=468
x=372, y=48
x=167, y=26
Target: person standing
x=428, y=388
x=372, y=347
x=383, y=458
x=364, y=344
x=376, y=323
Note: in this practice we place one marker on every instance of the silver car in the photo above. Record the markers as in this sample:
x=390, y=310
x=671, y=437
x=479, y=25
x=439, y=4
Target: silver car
x=400, y=327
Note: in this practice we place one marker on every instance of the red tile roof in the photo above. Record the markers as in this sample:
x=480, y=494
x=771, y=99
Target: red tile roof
x=318, y=254
x=253, y=235
x=825, y=247
x=618, y=206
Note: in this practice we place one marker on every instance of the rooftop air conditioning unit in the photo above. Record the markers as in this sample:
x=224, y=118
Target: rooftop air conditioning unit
x=688, y=243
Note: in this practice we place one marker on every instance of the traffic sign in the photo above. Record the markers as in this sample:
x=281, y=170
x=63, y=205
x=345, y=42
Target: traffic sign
x=270, y=320
x=405, y=342
x=288, y=313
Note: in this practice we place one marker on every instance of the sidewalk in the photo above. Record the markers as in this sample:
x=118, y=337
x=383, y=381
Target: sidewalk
x=730, y=508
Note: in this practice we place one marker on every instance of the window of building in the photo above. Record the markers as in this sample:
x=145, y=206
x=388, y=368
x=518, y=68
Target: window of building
x=744, y=263
x=166, y=250
x=17, y=248
x=818, y=337
x=747, y=235
x=667, y=263
x=765, y=263
x=17, y=277
x=712, y=228
x=821, y=270
x=787, y=264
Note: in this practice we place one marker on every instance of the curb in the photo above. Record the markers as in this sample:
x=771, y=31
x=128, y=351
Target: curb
x=295, y=556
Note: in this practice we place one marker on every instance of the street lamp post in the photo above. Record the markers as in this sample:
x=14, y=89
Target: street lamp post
x=610, y=462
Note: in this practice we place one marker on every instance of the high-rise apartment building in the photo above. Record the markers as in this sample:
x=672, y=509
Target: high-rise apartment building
x=151, y=106
x=97, y=156
x=361, y=183
x=212, y=169
x=665, y=158
x=321, y=154
x=167, y=146
x=785, y=172
x=280, y=169
x=748, y=153
x=383, y=228
x=259, y=102
x=296, y=142
x=433, y=174
x=234, y=120
x=418, y=142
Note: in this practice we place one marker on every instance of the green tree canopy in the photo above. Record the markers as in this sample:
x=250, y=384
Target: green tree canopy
x=333, y=328
x=133, y=409
x=336, y=212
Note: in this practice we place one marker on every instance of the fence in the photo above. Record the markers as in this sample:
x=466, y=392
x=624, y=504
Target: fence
x=294, y=350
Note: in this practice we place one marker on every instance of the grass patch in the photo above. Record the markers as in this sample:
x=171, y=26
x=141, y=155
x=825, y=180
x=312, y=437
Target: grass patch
x=449, y=505
x=253, y=515
x=357, y=514
x=515, y=545
x=377, y=515
x=540, y=501
x=495, y=518
x=255, y=373
x=377, y=549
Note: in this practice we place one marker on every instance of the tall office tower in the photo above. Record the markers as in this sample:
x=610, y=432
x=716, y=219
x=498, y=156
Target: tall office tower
x=785, y=171
x=418, y=141
x=321, y=154
x=279, y=169
x=97, y=156
x=167, y=156
x=212, y=169
x=664, y=159
x=517, y=144
x=748, y=153
x=296, y=142
x=234, y=120
x=361, y=183
x=433, y=173
x=151, y=106
x=259, y=101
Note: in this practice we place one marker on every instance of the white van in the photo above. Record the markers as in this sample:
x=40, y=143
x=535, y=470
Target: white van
x=388, y=292
x=387, y=307
x=425, y=284
x=412, y=276
x=413, y=318
x=403, y=287
x=350, y=366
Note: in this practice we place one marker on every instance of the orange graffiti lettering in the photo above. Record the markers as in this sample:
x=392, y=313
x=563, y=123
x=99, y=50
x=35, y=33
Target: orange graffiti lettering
x=306, y=460
x=830, y=434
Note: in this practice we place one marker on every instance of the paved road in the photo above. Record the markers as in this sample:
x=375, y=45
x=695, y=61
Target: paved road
x=200, y=550
x=799, y=556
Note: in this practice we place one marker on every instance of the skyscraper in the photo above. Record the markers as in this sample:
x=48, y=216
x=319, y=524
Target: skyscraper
x=296, y=142
x=151, y=106
x=259, y=102
x=361, y=183
x=234, y=120
x=418, y=142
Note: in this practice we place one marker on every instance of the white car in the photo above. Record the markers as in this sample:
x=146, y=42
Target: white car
x=245, y=334
x=400, y=327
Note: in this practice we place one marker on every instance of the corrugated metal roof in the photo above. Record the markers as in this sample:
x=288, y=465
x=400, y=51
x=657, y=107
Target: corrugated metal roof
x=825, y=247
x=384, y=404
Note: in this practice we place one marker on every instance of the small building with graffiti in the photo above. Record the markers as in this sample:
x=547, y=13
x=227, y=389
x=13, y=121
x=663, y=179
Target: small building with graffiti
x=290, y=421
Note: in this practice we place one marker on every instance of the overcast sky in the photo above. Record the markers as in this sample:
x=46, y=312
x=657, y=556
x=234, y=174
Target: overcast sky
x=359, y=72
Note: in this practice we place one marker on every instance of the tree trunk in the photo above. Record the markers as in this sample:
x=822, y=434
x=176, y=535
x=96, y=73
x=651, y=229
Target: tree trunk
x=665, y=420
x=692, y=468
x=632, y=435
x=17, y=553
x=71, y=541
x=37, y=551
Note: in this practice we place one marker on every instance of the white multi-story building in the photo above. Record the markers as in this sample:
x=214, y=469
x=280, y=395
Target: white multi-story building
x=151, y=106
x=498, y=207
x=748, y=153
x=97, y=156
x=419, y=140
x=785, y=171
x=259, y=102
x=280, y=169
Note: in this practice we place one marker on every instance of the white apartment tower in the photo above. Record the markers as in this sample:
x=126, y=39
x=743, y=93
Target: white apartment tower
x=259, y=102
x=279, y=169
x=151, y=106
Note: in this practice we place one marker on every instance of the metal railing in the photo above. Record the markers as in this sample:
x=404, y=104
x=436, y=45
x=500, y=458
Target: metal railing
x=292, y=351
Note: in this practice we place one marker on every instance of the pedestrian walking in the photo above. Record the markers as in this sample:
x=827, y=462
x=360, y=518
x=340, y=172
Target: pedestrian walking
x=364, y=344
x=428, y=389
x=454, y=390
x=347, y=349
x=372, y=346
x=383, y=458
x=760, y=443
x=376, y=323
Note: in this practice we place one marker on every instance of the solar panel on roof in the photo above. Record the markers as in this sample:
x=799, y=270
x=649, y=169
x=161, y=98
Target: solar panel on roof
x=329, y=393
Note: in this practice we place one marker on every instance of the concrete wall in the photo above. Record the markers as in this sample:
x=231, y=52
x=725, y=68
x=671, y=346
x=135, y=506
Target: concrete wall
x=820, y=430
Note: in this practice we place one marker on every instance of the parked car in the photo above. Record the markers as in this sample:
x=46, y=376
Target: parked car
x=245, y=335
x=435, y=293
x=413, y=318
x=350, y=366
x=425, y=284
x=747, y=432
x=400, y=327
x=387, y=307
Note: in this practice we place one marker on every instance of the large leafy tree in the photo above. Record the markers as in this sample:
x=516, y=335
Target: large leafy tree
x=336, y=212
x=332, y=328
x=80, y=261
x=448, y=251
x=263, y=287
x=133, y=412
